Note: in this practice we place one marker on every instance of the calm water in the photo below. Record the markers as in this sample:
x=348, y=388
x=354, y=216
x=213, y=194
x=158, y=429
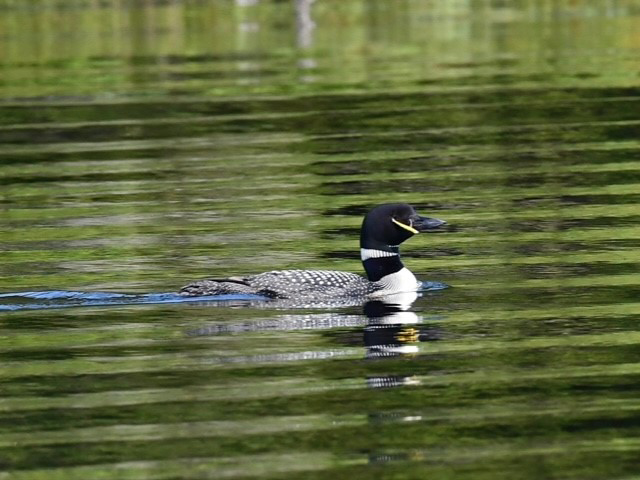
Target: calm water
x=146, y=144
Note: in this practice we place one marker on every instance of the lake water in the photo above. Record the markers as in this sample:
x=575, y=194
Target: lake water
x=145, y=144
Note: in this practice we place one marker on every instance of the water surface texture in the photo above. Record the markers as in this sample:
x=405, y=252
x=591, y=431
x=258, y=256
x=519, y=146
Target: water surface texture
x=146, y=144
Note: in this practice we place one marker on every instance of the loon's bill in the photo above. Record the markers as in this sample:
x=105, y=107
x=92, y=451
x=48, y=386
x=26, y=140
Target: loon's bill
x=384, y=228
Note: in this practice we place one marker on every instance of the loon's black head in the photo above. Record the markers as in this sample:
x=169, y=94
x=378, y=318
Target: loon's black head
x=387, y=226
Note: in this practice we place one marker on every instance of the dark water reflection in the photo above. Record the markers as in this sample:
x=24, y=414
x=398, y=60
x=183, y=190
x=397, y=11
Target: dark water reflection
x=147, y=144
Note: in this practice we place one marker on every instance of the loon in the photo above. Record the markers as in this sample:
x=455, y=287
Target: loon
x=384, y=228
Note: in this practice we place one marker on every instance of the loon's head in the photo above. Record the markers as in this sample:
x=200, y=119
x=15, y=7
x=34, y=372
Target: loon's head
x=387, y=226
x=384, y=228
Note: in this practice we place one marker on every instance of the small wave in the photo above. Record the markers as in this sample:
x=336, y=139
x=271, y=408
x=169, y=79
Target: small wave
x=428, y=286
x=63, y=299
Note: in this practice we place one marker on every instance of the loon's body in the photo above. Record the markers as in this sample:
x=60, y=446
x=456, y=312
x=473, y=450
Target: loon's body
x=384, y=228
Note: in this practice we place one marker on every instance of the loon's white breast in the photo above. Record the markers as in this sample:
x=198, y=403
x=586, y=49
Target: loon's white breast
x=399, y=282
x=384, y=228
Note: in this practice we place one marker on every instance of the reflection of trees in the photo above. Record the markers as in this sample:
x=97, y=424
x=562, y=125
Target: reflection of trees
x=417, y=39
x=304, y=23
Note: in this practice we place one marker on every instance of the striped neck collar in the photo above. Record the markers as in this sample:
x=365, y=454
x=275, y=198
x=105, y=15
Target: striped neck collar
x=367, y=253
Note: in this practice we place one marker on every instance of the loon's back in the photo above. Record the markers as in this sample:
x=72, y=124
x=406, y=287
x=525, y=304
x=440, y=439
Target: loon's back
x=383, y=229
x=288, y=284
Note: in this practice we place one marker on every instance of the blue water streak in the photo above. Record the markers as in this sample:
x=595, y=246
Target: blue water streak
x=63, y=299
x=428, y=286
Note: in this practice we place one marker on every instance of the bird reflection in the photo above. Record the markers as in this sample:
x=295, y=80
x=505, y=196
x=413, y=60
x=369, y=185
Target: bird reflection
x=386, y=328
x=392, y=330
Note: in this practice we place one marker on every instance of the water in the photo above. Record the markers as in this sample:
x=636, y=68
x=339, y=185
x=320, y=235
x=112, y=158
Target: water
x=147, y=144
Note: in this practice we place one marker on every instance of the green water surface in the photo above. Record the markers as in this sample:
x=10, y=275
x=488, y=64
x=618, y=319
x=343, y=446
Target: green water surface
x=145, y=144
